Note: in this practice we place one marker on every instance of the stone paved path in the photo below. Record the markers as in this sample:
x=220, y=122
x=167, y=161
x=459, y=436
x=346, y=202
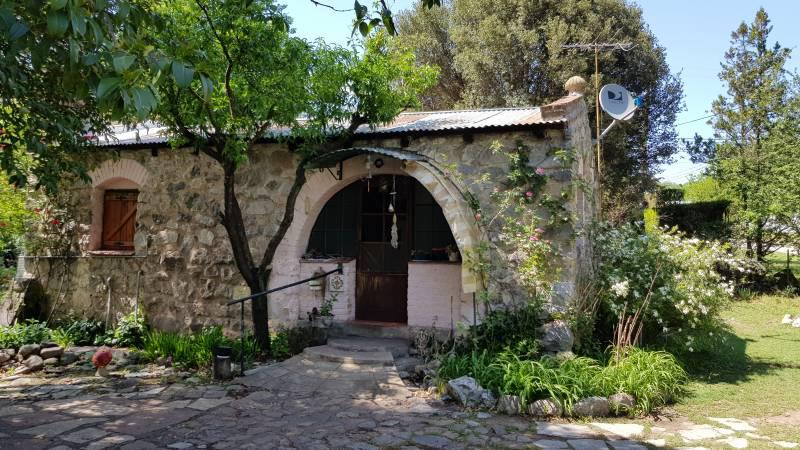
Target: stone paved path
x=302, y=403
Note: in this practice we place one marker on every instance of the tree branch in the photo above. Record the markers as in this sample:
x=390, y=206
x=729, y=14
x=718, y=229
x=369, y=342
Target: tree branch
x=228, y=70
x=325, y=5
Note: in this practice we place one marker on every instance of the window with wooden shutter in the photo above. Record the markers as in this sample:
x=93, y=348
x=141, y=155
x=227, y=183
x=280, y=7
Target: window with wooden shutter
x=119, y=219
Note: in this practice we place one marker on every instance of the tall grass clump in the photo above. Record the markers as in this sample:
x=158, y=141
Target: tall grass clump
x=194, y=351
x=654, y=378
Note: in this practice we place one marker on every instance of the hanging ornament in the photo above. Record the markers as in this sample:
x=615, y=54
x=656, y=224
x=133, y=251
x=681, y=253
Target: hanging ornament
x=393, y=194
x=369, y=171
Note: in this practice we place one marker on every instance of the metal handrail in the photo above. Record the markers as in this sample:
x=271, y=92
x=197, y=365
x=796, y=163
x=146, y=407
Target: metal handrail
x=241, y=301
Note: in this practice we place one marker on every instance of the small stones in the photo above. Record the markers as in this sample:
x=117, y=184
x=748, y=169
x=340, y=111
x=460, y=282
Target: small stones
x=431, y=441
x=733, y=424
x=735, y=442
x=587, y=444
x=510, y=405
x=68, y=358
x=591, y=407
x=621, y=403
x=545, y=408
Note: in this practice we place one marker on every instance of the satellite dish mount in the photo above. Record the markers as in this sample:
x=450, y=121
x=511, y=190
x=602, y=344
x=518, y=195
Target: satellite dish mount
x=618, y=103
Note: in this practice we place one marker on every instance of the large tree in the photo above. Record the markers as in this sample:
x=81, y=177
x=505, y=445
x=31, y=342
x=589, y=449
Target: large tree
x=755, y=159
x=504, y=53
x=238, y=73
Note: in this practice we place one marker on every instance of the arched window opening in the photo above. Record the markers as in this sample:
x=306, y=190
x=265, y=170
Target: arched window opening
x=360, y=214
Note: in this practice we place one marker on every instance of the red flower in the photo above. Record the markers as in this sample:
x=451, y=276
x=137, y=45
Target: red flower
x=37, y=210
x=2, y=224
x=55, y=222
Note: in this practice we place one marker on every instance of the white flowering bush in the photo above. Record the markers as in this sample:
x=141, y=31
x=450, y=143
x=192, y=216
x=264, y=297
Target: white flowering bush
x=679, y=275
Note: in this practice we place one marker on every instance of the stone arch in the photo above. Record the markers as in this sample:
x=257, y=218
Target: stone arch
x=111, y=174
x=321, y=186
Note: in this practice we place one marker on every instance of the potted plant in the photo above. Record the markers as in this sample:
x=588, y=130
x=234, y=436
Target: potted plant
x=326, y=311
x=452, y=253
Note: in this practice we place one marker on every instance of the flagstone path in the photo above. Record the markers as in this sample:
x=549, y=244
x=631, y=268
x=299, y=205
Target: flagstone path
x=306, y=402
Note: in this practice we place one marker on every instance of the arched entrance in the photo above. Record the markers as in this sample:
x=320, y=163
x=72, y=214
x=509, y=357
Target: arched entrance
x=439, y=292
x=384, y=222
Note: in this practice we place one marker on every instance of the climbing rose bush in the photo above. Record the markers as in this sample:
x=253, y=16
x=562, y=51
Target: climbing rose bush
x=686, y=291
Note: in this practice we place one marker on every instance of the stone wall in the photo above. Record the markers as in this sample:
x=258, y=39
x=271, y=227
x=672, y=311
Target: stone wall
x=182, y=274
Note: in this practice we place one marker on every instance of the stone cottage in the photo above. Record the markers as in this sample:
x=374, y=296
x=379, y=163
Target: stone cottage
x=392, y=210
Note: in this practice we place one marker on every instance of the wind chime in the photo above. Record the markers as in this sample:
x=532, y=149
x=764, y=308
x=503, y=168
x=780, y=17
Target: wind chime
x=395, y=238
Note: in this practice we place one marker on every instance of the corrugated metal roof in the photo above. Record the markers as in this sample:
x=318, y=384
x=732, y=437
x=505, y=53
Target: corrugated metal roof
x=409, y=122
x=330, y=159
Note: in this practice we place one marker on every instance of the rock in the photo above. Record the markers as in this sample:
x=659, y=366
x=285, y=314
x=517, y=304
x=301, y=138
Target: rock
x=51, y=352
x=488, y=399
x=68, y=358
x=787, y=319
x=29, y=349
x=556, y=337
x=465, y=390
x=50, y=362
x=545, y=408
x=34, y=363
x=509, y=404
x=591, y=407
x=10, y=352
x=4, y=357
x=796, y=322
x=621, y=403
x=48, y=344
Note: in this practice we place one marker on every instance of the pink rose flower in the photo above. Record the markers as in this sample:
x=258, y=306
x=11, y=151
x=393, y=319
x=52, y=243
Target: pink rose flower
x=529, y=194
x=534, y=238
x=539, y=171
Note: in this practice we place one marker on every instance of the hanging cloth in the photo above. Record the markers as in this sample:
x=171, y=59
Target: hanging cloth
x=395, y=237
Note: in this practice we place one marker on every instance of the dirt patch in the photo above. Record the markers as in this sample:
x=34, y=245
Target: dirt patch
x=788, y=418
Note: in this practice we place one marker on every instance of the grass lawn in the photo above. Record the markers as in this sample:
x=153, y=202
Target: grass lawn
x=759, y=379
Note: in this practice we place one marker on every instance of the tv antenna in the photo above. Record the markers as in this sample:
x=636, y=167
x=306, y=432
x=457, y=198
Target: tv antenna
x=597, y=47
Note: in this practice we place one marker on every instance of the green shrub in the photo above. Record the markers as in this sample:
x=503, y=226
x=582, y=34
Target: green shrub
x=28, y=332
x=513, y=330
x=79, y=332
x=280, y=345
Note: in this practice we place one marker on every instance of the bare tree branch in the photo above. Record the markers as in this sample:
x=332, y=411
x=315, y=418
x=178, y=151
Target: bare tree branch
x=325, y=5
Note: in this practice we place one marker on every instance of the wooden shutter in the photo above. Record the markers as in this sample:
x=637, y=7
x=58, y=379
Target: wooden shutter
x=119, y=219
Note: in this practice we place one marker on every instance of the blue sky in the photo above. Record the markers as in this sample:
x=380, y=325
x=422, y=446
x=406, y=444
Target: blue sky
x=695, y=34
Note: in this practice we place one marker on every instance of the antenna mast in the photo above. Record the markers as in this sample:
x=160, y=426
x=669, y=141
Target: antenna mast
x=596, y=48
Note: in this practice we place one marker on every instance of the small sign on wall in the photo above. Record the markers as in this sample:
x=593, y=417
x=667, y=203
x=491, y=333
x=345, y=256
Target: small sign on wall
x=336, y=282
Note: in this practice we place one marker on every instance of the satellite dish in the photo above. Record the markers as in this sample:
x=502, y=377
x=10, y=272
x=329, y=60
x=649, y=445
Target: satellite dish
x=617, y=102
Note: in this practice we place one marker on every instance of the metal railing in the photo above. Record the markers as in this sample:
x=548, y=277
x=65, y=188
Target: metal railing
x=241, y=301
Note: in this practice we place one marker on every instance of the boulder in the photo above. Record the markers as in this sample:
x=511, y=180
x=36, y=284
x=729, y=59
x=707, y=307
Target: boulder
x=556, y=337
x=545, y=408
x=621, y=403
x=9, y=351
x=68, y=358
x=591, y=407
x=28, y=349
x=509, y=404
x=49, y=344
x=51, y=352
x=466, y=391
x=51, y=362
x=34, y=363
x=4, y=357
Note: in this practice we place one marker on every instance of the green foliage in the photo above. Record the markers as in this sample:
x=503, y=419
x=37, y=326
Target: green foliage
x=195, y=351
x=702, y=189
x=129, y=332
x=80, y=332
x=512, y=330
x=755, y=161
x=470, y=39
x=704, y=220
x=28, y=332
x=651, y=219
x=653, y=378
x=678, y=276
x=288, y=342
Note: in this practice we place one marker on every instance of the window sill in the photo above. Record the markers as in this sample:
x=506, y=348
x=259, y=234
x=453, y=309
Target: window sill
x=112, y=253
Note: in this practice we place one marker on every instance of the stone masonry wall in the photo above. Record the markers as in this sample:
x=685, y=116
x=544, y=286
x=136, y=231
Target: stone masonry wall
x=182, y=272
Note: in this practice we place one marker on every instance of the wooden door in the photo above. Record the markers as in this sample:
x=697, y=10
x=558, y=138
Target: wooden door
x=382, y=270
x=119, y=219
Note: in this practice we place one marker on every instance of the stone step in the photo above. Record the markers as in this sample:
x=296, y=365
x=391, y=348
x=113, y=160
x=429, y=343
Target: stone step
x=368, y=329
x=328, y=353
x=397, y=347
